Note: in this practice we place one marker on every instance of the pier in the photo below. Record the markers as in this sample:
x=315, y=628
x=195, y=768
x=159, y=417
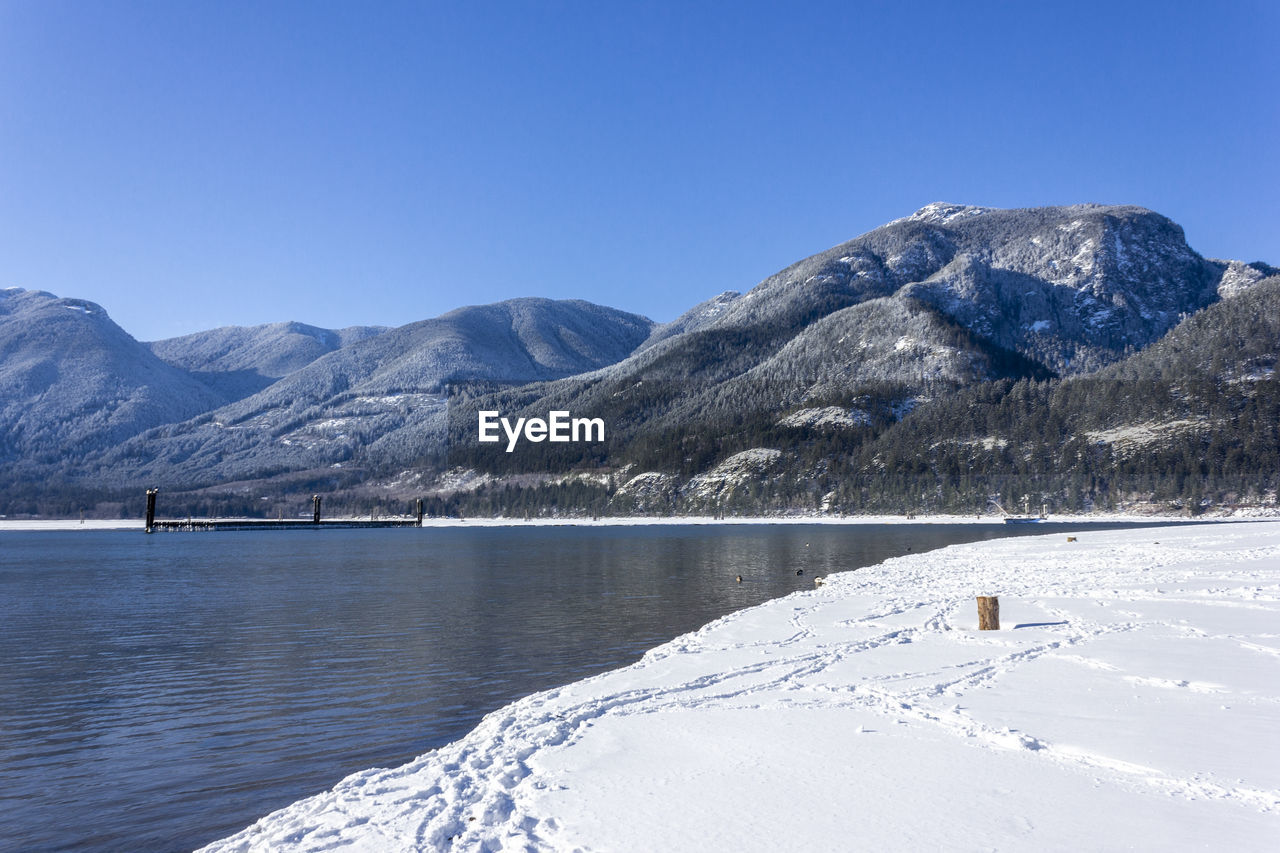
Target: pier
x=315, y=523
x=272, y=524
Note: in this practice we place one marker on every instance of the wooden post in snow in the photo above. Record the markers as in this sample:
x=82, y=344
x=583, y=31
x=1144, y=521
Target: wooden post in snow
x=151, y=508
x=315, y=509
x=418, y=509
x=988, y=613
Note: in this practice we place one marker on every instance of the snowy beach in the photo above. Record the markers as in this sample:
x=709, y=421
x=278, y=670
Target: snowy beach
x=51, y=524
x=1130, y=700
x=28, y=525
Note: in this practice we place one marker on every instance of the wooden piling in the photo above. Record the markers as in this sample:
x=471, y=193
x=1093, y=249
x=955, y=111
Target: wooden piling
x=418, y=508
x=315, y=509
x=988, y=613
x=151, y=508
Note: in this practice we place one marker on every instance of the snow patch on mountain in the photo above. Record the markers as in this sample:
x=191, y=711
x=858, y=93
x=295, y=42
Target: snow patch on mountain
x=944, y=213
x=1238, y=277
x=647, y=491
x=986, y=443
x=827, y=416
x=461, y=480
x=1131, y=438
x=698, y=317
x=736, y=471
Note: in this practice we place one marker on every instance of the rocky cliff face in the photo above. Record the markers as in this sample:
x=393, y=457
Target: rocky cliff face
x=1071, y=287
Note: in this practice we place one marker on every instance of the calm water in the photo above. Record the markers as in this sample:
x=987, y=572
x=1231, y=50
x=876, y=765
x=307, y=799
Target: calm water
x=160, y=692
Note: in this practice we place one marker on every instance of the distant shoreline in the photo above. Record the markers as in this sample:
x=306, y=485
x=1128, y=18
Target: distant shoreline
x=54, y=524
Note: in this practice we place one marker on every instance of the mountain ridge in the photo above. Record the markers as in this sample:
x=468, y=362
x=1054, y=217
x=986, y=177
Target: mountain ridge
x=1067, y=289
x=71, y=378
x=239, y=361
x=382, y=394
x=809, y=370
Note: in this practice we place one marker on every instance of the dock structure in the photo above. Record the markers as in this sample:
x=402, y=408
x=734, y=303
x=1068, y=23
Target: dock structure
x=272, y=524
x=314, y=523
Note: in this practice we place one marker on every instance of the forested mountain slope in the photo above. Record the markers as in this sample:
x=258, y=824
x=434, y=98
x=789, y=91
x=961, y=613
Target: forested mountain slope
x=381, y=401
x=1194, y=418
x=73, y=382
x=949, y=296
x=241, y=360
x=1081, y=356
x=1190, y=424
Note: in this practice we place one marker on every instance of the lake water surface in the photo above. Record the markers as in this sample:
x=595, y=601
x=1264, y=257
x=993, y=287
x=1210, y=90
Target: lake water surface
x=160, y=692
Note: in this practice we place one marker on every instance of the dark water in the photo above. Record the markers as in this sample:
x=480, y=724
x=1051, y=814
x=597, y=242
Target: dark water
x=160, y=692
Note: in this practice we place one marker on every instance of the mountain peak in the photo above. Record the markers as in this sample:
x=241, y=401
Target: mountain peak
x=945, y=212
x=71, y=380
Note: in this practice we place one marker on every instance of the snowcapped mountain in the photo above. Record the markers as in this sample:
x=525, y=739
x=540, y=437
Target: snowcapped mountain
x=945, y=297
x=868, y=354
x=1188, y=423
x=381, y=398
x=1071, y=287
x=241, y=360
x=698, y=317
x=72, y=381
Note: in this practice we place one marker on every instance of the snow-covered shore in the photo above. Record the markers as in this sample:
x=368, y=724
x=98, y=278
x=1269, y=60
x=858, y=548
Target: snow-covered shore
x=24, y=524
x=1130, y=701
x=630, y=521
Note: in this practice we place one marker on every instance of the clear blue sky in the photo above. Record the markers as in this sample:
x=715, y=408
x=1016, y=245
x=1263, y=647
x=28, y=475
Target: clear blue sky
x=195, y=164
